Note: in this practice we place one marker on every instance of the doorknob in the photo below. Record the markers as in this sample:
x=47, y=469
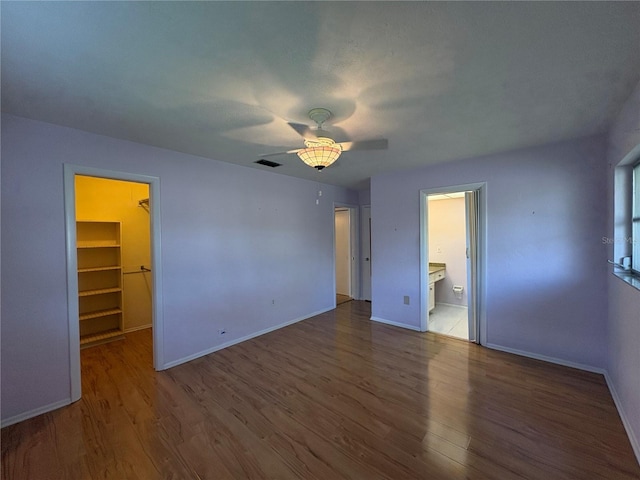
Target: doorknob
x=366, y=259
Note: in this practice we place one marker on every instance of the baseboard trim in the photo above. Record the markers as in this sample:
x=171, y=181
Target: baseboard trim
x=395, y=324
x=230, y=343
x=135, y=329
x=635, y=444
x=545, y=358
x=35, y=412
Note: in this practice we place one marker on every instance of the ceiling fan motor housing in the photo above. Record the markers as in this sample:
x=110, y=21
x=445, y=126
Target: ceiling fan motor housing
x=319, y=115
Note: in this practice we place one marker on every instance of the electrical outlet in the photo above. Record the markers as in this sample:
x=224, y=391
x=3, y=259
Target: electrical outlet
x=406, y=299
x=222, y=331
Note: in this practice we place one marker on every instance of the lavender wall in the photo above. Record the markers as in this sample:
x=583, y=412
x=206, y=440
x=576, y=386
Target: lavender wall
x=365, y=197
x=624, y=300
x=546, y=264
x=234, y=239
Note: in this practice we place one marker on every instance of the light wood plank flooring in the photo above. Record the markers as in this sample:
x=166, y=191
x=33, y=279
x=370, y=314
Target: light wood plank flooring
x=333, y=397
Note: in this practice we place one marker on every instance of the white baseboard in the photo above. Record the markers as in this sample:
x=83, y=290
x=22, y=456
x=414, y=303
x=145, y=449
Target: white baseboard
x=135, y=329
x=241, y=339
x=545, y=358
x=635, y=444
x=395, y=324
x=35, y=412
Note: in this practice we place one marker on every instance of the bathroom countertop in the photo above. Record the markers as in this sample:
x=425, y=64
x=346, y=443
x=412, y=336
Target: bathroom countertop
x=436, y=267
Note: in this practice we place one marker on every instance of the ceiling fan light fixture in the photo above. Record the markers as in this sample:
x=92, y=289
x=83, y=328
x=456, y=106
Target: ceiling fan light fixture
x=320, y=149
x=319, y=157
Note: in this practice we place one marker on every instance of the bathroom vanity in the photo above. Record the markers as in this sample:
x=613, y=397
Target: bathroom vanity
x=437, y=272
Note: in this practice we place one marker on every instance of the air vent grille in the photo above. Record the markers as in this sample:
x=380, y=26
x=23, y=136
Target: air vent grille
x=268, y=163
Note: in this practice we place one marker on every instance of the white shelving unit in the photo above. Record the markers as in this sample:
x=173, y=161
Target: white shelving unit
x=99, y=282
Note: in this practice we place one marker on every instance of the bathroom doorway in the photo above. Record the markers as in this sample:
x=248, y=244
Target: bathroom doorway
x=448, y=299
x=450, y=262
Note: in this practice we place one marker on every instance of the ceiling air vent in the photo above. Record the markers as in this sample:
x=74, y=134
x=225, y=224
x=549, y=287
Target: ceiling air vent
x=268, y=163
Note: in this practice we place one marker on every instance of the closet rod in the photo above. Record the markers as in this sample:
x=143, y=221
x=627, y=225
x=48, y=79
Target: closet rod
x=143, y=269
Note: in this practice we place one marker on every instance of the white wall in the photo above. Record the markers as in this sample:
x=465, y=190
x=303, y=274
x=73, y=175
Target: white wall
x=343, y=253
x=242, y=249
x=447, y=232
x=624, y=300
x=117, y=201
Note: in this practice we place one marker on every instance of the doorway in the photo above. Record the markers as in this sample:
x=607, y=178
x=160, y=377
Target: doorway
x=451, y=261
x=113, y=268
x=114, y=258
x=447, y=237
x=346, y=253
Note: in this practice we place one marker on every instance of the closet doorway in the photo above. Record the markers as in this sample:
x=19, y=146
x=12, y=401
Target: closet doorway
x=112, y=251
x=113, y=235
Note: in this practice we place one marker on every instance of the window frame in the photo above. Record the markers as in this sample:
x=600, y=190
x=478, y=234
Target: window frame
x=634, y=238
x=621, y=244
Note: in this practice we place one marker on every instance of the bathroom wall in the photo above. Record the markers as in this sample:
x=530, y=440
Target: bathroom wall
x=448, y=244
x=100, y=199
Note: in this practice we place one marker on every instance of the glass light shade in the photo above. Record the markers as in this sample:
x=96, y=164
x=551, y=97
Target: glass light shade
x=319, y=157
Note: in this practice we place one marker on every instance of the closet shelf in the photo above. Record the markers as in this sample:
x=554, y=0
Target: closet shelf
x=98, y=246
x=100, y=291
x=100, y=313
x=99, y=282
x=96, y=337
x=99, y=269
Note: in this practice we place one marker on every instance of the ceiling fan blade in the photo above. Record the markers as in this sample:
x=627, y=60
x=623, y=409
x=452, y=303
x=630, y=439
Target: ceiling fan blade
x=303, y=130
x=378, y=144
x=280, y=153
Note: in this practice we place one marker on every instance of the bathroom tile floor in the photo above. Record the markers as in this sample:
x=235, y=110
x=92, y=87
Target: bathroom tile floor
x=449, y=320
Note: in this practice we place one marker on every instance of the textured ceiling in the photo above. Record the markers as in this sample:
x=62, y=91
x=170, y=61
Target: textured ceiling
x=441, y=81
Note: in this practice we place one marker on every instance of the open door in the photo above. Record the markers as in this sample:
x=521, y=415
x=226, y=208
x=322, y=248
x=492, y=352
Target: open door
x=472, y=219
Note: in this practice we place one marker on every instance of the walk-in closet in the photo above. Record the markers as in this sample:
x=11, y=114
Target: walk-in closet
x=114, y=258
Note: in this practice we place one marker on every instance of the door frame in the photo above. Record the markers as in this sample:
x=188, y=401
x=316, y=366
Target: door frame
x=70, y=172
x=481, y=188
x=364, y=261
x=354, y=249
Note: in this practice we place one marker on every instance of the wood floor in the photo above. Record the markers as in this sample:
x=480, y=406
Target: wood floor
x=340, y=299
x=333, y=397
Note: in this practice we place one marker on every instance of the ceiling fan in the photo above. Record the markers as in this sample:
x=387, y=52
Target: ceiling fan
x=320, y=149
